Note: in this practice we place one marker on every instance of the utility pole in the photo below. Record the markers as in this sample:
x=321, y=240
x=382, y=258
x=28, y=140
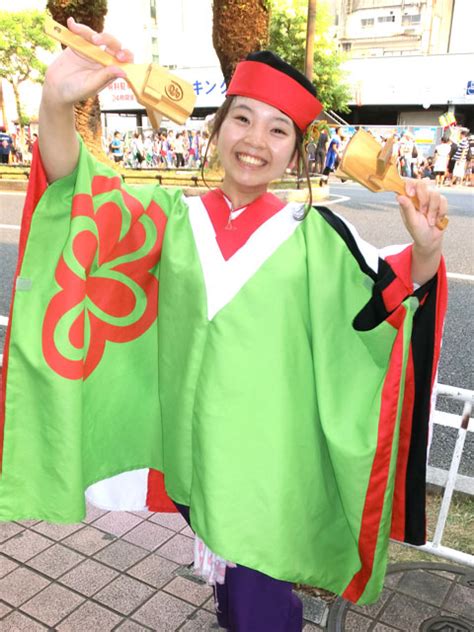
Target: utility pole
x=308, y=64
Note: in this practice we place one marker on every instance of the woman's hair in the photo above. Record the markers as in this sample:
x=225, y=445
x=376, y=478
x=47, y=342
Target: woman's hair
x=301, y=162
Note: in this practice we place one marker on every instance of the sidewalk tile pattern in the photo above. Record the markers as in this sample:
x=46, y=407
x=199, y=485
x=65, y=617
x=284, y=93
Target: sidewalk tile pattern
x=417, y=597
x=129, y=572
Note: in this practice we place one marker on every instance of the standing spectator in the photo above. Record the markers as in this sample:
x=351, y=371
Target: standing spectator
x=405, y=155
x=333, y=155
x=460, y=158
x=470, y=165
x=148, y=150
x=162, y=149
x=116, y=147
x=137, y=150
x=6, y=145
x=416, y=158
x=31, y=140
x=197, y=144
x=179, y=150
x=186, y=146
x=449, y=171
x=321, y=149
x=311, y=156
x=192, y=152
x=441, y=156
x=156, y=150
x=169, y=148
x=204, y=141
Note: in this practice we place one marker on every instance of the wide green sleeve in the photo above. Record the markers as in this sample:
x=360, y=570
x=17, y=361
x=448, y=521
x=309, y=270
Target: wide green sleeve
x=81, y=376
x=375, y=349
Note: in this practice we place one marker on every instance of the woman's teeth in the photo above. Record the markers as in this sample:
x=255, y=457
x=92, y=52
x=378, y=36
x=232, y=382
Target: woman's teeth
x=250, y=160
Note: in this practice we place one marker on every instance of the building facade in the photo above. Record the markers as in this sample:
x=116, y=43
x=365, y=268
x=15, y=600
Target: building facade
x=408, y=62
x=176, y=35
x=377, y=28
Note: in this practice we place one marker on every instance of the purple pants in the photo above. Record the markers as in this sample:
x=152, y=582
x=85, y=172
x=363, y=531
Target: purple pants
x=250, y=601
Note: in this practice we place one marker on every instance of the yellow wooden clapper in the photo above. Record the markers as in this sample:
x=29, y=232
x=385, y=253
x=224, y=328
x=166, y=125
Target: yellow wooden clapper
x=369, y=163
x=158, y=90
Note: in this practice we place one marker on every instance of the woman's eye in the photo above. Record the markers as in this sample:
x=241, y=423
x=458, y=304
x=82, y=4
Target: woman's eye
x=277, y=130
x=241, y=117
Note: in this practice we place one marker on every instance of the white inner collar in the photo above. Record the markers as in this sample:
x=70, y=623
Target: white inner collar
x=234, y=214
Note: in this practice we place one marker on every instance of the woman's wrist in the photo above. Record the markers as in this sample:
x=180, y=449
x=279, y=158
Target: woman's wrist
x=425, y=262
x=52, y=100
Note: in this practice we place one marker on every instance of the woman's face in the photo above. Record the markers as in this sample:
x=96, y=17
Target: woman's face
x=255, y=144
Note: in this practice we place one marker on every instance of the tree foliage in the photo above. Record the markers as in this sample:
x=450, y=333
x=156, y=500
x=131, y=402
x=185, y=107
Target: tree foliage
x=92, y=13
x=239, y=27
x=288, y=39
x=21, y=35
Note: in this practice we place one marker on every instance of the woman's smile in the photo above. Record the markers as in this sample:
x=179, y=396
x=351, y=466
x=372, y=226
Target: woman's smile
x=250, y=160
x=255, y=144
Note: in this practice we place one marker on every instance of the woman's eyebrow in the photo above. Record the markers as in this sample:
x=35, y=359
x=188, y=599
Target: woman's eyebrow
x=282, y=120
x=249, y=109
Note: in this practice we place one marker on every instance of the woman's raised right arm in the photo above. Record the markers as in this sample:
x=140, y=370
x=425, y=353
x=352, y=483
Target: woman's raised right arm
x=70, y=79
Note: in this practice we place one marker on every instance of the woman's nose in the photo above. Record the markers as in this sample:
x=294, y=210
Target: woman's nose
x=256, y=135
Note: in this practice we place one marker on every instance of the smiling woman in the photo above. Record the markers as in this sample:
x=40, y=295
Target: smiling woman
x=170, y=351
x=255, y=144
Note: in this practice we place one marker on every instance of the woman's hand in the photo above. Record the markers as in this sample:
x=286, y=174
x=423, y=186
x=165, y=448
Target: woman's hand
x=421, y=224
x=72, y=77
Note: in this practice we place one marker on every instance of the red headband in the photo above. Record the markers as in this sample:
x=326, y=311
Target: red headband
x=257, y=80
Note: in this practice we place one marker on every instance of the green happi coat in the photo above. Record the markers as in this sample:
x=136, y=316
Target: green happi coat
x=272, y=388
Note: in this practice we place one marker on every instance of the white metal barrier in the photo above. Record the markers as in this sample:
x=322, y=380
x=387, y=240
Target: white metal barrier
x=458, y=394
x=435, y=547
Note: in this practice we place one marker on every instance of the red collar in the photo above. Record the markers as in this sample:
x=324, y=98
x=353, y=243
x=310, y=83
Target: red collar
x=231, y=237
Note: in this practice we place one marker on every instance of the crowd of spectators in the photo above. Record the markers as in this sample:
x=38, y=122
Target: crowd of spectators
x=12, y=151
x=155, y=150
x=450, y=164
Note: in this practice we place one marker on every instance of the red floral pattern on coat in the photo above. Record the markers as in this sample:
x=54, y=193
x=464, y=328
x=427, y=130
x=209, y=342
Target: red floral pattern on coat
x=109, y=291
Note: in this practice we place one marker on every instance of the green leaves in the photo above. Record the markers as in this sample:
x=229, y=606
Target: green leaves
x=288, y=39
x=21, y=36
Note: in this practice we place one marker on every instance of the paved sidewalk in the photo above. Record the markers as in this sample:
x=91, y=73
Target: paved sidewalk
x=417, y=597
x=129, y=572
x=115, y=571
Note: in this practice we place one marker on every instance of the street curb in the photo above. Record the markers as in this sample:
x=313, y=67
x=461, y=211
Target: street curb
x=13, y=185
x=315, y=609
x=291, y=195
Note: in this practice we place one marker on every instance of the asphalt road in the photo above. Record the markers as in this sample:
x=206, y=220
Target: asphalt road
x=377, y=219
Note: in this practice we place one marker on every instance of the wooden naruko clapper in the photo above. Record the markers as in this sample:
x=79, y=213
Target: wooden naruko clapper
x=369, y=163
x=158, y=90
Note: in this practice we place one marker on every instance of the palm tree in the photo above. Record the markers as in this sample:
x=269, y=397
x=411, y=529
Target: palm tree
x=92, y=13
x=238, y=29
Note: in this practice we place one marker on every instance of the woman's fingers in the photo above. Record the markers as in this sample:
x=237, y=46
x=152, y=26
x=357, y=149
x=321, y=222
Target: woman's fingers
x=432, y=206
x=419, y=189
x=125, y=55
x=437, y=208
x=110, y=43
x=80, y=29
x=103, y=77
